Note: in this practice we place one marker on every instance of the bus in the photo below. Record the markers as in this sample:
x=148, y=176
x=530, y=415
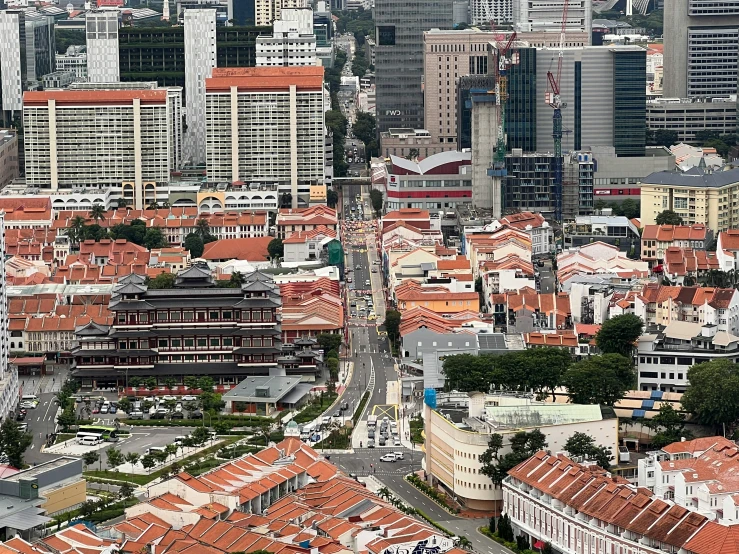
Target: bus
x=109, y=434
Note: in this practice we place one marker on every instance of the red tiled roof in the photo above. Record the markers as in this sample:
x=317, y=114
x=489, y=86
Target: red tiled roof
x=670, y=233
x=265, y=78
x=251, y=249
x=98, y=97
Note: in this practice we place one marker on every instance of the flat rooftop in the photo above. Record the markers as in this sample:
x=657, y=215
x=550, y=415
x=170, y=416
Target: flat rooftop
x=269, y=389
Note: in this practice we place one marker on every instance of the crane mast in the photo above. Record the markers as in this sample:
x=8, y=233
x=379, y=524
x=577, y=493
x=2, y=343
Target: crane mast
x=555, y=102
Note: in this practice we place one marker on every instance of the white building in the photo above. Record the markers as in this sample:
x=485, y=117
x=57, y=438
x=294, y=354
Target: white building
x=101, y=35
x=76, y=62
x=546, y=15
x=8, y=374
x=687, y=116
x=485, y=11
x=242, y=102
x=458, y=431
x=579, y=508
x=589, y=302
x=268, y=11
x=200, y=59
x=292, y=42
x=664, y=356
x=126, y=140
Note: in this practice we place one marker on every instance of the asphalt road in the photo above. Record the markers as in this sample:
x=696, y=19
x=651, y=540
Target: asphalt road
x=548, y=279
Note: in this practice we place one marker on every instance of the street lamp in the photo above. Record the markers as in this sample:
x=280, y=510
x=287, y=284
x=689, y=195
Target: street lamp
x=210, y=419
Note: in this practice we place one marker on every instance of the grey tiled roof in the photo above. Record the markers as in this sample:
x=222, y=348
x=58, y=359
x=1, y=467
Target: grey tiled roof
x=694, y=177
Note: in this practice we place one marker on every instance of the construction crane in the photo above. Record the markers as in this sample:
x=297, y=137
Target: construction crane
x=554, y=100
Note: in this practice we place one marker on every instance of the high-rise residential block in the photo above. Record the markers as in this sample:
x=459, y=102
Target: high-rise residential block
x=200, y=59
x=268, y=11
x=8, y=374
x=292, y=43
x=701, y=48
x=101, y=34
x=267, y=125
x=546, y=15
x=27, y=51
x=98, y=139
x=399, y=28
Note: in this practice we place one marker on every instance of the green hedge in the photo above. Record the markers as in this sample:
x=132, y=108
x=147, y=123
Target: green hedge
x=432, y=522
x=360, y=408
x=238, y=421
x=509, y=545
x=431, y=492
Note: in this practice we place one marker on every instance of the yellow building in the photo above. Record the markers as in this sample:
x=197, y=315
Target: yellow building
x=697, y=195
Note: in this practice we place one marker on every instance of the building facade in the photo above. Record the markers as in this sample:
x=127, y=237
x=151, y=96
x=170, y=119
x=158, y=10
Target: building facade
x=698, y=196
x=73, y=60
x=101, y=35
x=399, y=28
x=27, y=50
x=700, y=48
x=546, y=15
x=196, y=328
x=240, y=103
x=292, y=42
x=484, y=11
x=686, y=117
x=200, y=59
x=158, y=53
x=8, y=373
x=69, y=144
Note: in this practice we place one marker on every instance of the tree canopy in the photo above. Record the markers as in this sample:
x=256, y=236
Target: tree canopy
x=14, y=442
x=539, y=369
x=669, y=425
x=619, y=334
x=713, y=394
x=376, y=199
x=275, y=248
x=194, y=243
x=161, y=281
x=668, y=217
x=583, y=445
x=392, y=324
x=523, y=446
x=599, y=380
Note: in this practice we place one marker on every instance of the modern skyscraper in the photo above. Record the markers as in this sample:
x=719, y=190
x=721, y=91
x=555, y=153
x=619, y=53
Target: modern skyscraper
x=485, y=11
x=27, y=52
x=200, y=59
x=124, y=139
x=266, y=125
x=546, y=15
x=701, y=48
x=399, y=28
x=8, y=374
x=101, y=30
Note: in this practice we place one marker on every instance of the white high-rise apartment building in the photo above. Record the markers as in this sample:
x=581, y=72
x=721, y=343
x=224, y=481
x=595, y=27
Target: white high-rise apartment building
x=485, y=11
x=8, y=374
x=97, y=139
x=267, y=125
x=200, y=59
x=101, y=30
x=292, y=42
x=546, y=15
x=267, y=12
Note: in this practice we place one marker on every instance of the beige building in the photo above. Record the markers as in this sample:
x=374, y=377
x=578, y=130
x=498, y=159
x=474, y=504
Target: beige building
x=459, y=429
x=8, y=157
x=268, y=11
x=449, y=55
x=699, y=196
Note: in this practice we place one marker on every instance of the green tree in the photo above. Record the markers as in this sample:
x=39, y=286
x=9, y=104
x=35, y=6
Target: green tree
x=668, y=217
x=583, y=445
x=170, y=382
x=377, y=199
x=222, y=427
x=97, y=212
x=14, y=442
x=505, y=528
x=392, y=325
x=64, y=38
x=523, y=446
x=206, y=384
x=76, y=228
x=275, y=249
x=329, y=341
x=332, y=198
x=148, y=462
x=619, y=334
x=89, y=458
x=669, y=425
x=365, y=129
x=330, y=386
x=662, y=137
x=202, y=229
x=333, y=368
x=467, y=372
x=162, y=281
x=151, y=383
x=713, y=394
x=115, y=458
x=601, y=380
x=155, y=238
x=199, y=435
x=132, y=458
x=195, y=245
x=722, y=149
x=126, y=491
x=191, y=382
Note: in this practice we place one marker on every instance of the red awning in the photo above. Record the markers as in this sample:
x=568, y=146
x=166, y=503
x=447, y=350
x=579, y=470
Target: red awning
x=538, y=545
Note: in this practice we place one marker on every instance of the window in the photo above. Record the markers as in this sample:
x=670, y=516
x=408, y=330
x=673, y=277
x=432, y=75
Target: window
x=214, y=315
x=202, y=342
x=215, y=342
x=227, y=315
x=190, y=342
x=162, y=316
x=162, y=343
x=176, y=343
x=188, y=316
x=228, y=342
x=174, y=316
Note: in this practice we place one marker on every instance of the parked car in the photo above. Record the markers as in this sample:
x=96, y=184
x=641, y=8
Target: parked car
x=189, y=398
x=136, y=414
x=178, y=415
x=390, y=457
x=371, y=443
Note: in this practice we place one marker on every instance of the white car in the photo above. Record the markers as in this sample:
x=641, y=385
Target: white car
x=28, y=405
x=388, y=458
x=168, y=397
x=396, y=441
x=189, y=398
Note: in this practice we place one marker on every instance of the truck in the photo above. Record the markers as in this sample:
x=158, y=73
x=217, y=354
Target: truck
x=372, y=421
